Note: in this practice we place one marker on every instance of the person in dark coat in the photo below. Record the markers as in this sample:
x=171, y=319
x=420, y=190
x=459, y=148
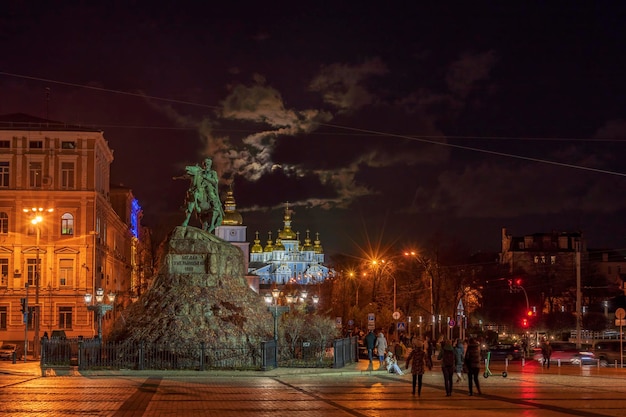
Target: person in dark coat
x=417, y=361
x=370, y=340
x=546, y=352
x=472, y=361
x=446, y=356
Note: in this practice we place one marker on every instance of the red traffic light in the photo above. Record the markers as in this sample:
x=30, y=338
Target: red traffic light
x=524, y=322
x=518, y=281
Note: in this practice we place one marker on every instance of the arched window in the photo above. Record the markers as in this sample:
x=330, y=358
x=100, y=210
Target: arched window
x=67, y=224
x=4, y=223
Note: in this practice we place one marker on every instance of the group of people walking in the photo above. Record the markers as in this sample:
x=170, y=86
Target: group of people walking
x=456, y=358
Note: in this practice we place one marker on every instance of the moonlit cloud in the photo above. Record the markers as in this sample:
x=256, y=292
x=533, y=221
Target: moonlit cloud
x=342, y=86
x=464, y=73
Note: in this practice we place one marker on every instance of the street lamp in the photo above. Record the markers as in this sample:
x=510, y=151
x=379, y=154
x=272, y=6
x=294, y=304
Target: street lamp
x=37, y=218
x=277, y=311
x=99, y=307
x=426, y=266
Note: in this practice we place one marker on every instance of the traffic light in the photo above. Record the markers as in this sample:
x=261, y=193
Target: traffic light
x=524, y=322
x=530, y=313
x=24, y=304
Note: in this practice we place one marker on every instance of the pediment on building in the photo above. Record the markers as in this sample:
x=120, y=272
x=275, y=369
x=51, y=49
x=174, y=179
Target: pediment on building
x=66, y=250
x=4, y=249
x=33, y=249
x=283, y=269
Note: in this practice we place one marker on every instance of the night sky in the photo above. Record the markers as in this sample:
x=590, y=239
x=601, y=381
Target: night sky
x=394, y=122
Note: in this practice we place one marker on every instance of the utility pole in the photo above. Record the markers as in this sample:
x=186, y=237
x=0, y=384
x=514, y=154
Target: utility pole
x=579, y=315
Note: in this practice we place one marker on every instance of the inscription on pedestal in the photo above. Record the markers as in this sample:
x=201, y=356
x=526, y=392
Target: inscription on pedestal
x=187, y=264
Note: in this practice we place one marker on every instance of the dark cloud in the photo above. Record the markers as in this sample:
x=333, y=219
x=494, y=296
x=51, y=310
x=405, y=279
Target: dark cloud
x=420, y=118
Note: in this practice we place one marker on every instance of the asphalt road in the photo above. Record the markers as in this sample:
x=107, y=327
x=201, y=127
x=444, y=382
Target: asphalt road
x=351, y=391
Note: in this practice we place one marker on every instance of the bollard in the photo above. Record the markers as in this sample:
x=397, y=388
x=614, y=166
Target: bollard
x=558, y=363
x=14, y=357
x=523, y=362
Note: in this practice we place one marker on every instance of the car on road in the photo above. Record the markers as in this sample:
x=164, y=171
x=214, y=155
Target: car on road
x=7, y=350
x=568, y=353
x=503, y=351
x=607, y=352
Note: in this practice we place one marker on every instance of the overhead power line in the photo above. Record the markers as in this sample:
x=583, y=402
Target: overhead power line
x=418, y=138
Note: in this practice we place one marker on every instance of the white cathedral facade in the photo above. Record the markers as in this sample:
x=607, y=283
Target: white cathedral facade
x=281, y=261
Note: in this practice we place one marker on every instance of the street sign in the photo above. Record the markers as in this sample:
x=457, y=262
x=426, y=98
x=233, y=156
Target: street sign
x=459, y=306
x=350, y=322
x=451, y=323
x=396, y=315
x=338, y=322
x=401, y=326
x=371, y=321
x=620, y=313
x=371, y=317
x=620, y=322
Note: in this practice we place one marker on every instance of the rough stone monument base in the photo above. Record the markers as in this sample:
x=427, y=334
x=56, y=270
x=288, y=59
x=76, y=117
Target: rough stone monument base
x=199, y=295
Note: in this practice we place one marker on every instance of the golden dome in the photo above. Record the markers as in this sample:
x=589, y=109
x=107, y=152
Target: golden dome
x=318, y=245
x=256, y=248
x=269, y=247
x=287, y=233
x=231, y=216
x=279, y=244
x=307, y=242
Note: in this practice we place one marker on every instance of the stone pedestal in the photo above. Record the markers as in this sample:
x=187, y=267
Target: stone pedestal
x=199, y=295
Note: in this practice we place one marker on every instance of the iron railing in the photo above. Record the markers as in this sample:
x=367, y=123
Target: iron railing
x=96, y=354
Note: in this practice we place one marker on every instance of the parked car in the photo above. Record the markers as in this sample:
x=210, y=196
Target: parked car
x=7, y=350
x=568, y=353
x=607, y=352
x=505, y=351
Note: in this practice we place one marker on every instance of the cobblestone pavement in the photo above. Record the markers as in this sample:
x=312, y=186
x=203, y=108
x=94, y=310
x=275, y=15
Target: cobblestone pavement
x=352, y=391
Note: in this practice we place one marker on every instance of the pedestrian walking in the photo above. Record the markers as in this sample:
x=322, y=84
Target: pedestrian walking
x=446, y=356
x=381, y=348
x=417, y=361
x=459, y=360
x=472, y=362
x=546, y=352
x=370, y=342
x=429, y=349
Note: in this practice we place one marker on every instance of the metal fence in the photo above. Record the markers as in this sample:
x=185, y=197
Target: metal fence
x=96, y=354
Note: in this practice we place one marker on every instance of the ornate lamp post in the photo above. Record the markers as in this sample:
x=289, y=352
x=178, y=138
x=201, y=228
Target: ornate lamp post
x=99, y=307
x=277, y=311
x=37, y=218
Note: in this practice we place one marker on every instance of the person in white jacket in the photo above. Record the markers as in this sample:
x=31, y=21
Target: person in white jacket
x=381, y=348
x=392, y=364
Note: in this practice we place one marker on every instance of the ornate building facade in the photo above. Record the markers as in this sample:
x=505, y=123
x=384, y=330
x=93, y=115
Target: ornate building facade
x=89, y=236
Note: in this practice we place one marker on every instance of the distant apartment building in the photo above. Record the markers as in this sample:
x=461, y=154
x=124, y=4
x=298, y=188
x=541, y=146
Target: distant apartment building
x=89, y=236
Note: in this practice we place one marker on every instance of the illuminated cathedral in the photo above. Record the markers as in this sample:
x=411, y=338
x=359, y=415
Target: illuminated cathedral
x=286, y=259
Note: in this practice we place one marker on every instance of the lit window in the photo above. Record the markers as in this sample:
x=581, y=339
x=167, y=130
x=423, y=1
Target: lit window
x=67, y=224
x=3, y=318
x=4, y=272
x=68, y=145
x=4, y=223
x=66, y=272
x=4, y=174
x=35, y=171
x=30, y=263
x=65, y=317
x=67, y=175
